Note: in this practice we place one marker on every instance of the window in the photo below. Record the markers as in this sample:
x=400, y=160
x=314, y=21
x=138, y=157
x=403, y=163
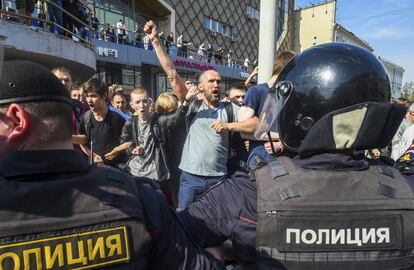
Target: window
x=283, y=9
x=217, y=26
x=252, y=13
x=128, y=77
x=220, y=27
x=164, y=84
x=214, y=25
x=109, y=13
x=206, y=22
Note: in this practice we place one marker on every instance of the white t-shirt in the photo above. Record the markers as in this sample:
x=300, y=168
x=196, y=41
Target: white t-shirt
x=405, y=142
x=120, y=27
x=179, y=41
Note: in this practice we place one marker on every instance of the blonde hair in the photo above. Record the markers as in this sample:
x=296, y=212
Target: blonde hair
x=166, y=103
x=281, y=60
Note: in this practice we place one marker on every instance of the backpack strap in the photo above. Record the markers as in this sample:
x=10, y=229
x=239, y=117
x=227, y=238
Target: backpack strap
x=230, y=119
x=156, y=129
x=135, y=129
x=192, y=111
x=229, y=110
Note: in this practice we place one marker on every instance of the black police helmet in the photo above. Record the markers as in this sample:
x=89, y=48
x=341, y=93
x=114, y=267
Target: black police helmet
x=326, y=78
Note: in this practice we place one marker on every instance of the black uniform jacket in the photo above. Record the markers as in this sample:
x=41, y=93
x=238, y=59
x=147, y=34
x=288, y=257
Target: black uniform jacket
x=228, y=211
x=169, y=248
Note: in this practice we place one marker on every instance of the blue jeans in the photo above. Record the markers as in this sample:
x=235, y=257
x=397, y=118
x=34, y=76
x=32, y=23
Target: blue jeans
x=192, y=186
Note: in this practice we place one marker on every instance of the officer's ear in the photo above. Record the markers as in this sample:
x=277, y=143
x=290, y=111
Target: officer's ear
x=18, y=121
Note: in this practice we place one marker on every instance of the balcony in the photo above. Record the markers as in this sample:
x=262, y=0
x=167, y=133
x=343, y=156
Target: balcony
x=137, y=52
x=38, y=44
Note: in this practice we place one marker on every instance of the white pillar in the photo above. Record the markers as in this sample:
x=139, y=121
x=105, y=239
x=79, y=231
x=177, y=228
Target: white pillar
x=267, y=38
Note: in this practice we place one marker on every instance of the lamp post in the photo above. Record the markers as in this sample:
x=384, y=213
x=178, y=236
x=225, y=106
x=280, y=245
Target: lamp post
x=267, y=38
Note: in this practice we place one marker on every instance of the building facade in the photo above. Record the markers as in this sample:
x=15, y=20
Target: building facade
x=316, y=24
x=232, y=25
x=395, y=74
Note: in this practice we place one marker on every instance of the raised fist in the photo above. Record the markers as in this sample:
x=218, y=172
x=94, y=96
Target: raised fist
x=150, y=30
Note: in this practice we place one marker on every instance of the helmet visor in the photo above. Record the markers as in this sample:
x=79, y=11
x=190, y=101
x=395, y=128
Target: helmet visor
x=273, y=105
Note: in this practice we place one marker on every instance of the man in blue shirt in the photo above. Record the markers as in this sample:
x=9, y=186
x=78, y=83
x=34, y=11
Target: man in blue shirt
x=253, y=106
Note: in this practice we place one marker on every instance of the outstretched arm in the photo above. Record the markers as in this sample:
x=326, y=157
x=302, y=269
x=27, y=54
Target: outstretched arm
x=167, y=65
x=249, y=80
x=247, y=126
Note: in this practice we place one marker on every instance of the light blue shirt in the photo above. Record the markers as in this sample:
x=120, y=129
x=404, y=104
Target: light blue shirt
x=205, y=151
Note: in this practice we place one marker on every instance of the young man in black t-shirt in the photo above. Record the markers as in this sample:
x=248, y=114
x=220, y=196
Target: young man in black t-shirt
x=101, y=126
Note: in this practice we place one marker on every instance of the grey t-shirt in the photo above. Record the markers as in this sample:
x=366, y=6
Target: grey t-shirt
x=145, y=165
x=205, y=151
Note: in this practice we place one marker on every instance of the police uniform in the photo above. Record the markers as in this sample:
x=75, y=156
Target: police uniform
x=59, y=212
x=327, y=208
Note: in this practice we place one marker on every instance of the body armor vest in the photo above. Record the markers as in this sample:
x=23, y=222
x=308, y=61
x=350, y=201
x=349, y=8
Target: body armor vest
x=78, y=221
x=319, y=219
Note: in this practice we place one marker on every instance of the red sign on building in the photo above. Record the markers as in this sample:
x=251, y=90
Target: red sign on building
x=193, y=65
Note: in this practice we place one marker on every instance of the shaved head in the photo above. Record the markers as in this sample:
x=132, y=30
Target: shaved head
x=203, y=74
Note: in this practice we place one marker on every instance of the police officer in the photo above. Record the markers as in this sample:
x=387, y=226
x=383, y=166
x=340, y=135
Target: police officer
x=57, y=211
x=327, y=208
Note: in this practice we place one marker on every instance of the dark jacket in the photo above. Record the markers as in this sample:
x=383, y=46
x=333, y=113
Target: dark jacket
x=173, y=131
x=163, y=128
x=48, y=188
x=229, y=211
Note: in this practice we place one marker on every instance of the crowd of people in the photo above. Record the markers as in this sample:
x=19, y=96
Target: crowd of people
x=167, y=141
x=193, y=145
x=82, y=21
x=118, y=33
x=69, y=18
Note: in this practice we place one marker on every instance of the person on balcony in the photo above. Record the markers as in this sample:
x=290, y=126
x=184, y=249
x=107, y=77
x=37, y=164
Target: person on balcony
x=121, y=31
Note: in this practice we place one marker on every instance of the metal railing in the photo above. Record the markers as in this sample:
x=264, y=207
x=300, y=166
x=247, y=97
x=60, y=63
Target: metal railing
x=138, y=40
x=10, y=14
x=130, y=38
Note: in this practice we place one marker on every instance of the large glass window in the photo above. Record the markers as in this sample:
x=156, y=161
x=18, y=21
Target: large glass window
x=164, y=85
x=252, y=13
x=214, y=25
x=206, y=22
x=110, y=13
x=283, y=9
x=217, y=26
x=127, y=76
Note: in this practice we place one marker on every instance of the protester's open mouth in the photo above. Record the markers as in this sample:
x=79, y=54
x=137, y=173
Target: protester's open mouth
x=91, y=105
x=215, y=93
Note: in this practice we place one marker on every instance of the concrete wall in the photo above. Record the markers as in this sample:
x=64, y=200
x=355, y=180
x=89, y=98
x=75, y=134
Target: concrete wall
x=22, y=42
x=317, y=21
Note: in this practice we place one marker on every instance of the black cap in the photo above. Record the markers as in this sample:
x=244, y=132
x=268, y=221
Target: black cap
x=24, y=81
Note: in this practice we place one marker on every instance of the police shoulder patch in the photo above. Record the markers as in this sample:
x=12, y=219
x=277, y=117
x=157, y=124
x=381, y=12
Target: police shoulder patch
x=82, y=250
